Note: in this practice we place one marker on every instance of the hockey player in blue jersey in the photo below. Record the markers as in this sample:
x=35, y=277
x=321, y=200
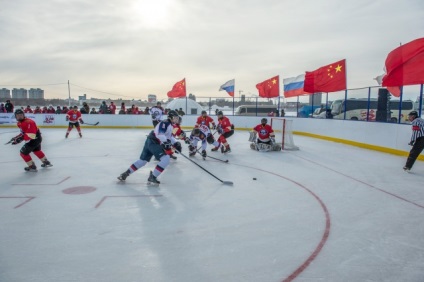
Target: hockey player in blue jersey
x=159, y=144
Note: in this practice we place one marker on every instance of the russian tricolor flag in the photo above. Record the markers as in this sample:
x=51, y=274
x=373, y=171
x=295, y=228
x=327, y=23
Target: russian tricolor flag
x=293, y=86
x=229, y=87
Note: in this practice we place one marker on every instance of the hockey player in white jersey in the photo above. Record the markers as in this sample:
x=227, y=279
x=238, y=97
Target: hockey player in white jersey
x=159, y=144
x=201, y=134
x=156, y=113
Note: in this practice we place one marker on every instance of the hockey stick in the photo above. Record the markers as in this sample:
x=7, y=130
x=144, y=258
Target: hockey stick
x=91, y=123
x=222, y=181
x=224, y=161
x=8, y=142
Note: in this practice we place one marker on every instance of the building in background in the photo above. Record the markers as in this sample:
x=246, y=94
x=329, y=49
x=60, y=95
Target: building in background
x=151, y=98
x=4, y=93
x=20, y=93
x=36, y=93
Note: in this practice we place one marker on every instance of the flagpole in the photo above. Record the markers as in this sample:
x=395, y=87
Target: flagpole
x=421, y=100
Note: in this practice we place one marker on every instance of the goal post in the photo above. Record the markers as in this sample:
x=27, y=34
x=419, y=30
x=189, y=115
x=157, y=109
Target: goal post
x=283, y=130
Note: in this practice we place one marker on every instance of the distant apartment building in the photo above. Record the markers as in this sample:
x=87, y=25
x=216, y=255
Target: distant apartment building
x=20, y=93
x=4, y=93
x=36, y=93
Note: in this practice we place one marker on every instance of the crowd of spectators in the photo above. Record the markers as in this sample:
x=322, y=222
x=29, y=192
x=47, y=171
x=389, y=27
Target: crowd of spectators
x=104, y=108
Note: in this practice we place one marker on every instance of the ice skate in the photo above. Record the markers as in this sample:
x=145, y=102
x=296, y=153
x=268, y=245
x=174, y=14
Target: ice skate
x=407, y=169
x=123, y=176
x=46, y=163
x=80, y=135
x=66, y=135
x=215, y=149
x=31, y=168
x=152, y=179
x=173, y=157
x=225, y=149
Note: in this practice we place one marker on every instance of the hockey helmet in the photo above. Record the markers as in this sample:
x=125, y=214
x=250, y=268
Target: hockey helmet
x=196, y=132
x=219, y=113
x=19, y=112
x=204, y=112
x=264, y=121
x=172, y=114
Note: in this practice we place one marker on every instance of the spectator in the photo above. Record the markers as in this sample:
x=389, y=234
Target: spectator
x=51, y=110
x=2, y=108
x=85, y=108
x=112, y=108
x=58, y=110
x=216, y=111
x=93, y=111
x=181, y=112
x=283, y=113
x=37, y=110
x=103, y=108
x=44, y=110
x=28, y=110
x=122, y=111
x=9, y=106
x=65, y=110
x=147, y=111
x=271, y=114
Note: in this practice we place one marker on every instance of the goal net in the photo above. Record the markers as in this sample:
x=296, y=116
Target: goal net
x=283, y=133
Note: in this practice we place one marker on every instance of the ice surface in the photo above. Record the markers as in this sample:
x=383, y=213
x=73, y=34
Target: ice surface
x=328, y=212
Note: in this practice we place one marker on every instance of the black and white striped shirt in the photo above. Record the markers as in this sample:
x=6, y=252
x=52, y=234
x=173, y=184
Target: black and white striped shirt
x=417, y=129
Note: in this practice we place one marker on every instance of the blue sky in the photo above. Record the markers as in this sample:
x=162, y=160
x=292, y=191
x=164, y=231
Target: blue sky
x=132, y=48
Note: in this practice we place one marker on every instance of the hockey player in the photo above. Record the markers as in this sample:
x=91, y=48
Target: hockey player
x=156, y=112
x=204, y=119
x=157, y=144
x=265, y=137
x=417, y=139
x=74, y=118
x=225, y=129
x=204, y=135
x=32, y=137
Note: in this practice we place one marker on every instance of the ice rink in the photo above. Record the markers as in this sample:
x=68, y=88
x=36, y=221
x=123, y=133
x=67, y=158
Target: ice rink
x=328, y=212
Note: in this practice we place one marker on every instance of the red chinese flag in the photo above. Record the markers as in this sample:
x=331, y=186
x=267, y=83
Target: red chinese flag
x=269, y=88
x=328, y=78
x=405, y=64
x=179, y=90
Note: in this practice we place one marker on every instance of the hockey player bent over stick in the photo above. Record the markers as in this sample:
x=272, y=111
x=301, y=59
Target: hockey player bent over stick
x=32, y=137
x=157, y=143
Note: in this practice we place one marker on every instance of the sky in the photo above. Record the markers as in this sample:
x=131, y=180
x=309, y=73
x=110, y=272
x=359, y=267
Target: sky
x=132, y=48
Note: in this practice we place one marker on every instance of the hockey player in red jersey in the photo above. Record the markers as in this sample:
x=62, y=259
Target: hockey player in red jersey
x=74, y=118
x=32, y=137
x=204, y=119
x=265, y=132
x=225, y=129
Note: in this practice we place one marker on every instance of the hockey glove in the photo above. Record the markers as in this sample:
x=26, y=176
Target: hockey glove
x=272, y=140
x=204, y=153
x=213, y=126
x=67, y=118
x=187, y=141
x=16, y=140
x=177, y=146
x=219, y=129
x=183, y=135
x=166, y=145
x=81, y=121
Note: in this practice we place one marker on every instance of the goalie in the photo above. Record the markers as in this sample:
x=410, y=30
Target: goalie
x=265, y=140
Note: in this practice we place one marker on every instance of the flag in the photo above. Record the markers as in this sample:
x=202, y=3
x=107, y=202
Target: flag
x=394, y=90
x=328, y=78
x=229, y=87
x=405, y=64
x=179, y=90
x=293, y=86
x=269, y=88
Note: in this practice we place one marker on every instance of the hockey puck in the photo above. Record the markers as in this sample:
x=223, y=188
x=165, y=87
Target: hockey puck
x=254, y=178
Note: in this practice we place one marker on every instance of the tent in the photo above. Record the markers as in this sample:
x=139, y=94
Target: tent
x=190, y=107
